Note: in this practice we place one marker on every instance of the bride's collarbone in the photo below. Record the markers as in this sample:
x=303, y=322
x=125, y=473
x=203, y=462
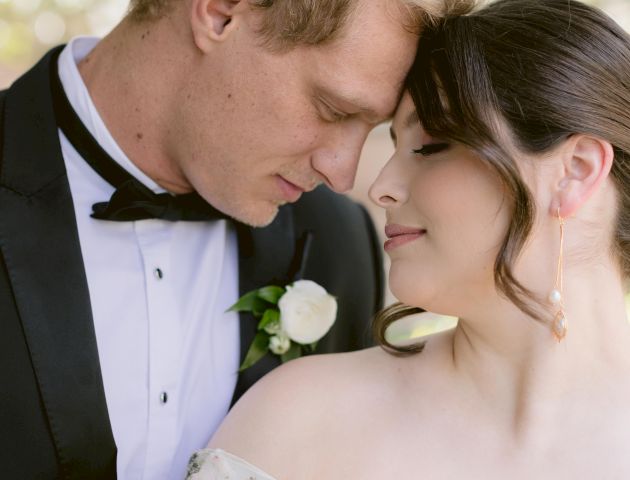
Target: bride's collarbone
x=438, y=458
x=390, y=425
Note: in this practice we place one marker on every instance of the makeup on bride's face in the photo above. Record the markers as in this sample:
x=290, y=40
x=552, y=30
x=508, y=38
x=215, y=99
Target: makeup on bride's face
x=399, y=235
x=445, y=216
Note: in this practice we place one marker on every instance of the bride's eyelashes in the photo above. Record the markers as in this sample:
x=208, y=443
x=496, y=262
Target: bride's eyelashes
x=431, y=148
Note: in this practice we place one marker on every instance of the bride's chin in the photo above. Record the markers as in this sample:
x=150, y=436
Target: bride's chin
x=411, y=292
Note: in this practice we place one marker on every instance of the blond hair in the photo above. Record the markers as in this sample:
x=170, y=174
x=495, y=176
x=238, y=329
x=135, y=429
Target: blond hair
x=287, y=23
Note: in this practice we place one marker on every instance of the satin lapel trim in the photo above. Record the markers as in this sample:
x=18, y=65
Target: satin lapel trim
x=40, y=244
x=265, y=256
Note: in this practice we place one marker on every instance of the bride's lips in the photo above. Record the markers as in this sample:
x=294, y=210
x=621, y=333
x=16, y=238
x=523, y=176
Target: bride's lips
x=399, y=235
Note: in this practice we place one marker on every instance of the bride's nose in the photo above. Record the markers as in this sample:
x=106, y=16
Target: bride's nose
x=389, y=189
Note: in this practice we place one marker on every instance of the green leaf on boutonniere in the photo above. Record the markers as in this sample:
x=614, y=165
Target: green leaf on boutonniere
x=294, y=352
x=250, y=302
x=271, y=294
x=256, y=351
x=312, y=347
x=270, y=316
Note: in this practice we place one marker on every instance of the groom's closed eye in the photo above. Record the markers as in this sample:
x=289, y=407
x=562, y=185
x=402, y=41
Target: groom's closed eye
x=351, y=106
x=332, y=114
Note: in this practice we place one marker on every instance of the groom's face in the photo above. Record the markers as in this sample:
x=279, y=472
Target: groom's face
x=259, y=128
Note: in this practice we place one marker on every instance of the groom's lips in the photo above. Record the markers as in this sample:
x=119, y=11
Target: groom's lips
x=290, y=191
x=399, y=235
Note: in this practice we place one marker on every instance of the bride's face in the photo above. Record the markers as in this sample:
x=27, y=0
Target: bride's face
x=446, y=218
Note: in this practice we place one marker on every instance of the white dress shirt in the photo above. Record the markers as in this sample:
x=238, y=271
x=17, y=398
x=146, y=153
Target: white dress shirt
x=159, y=291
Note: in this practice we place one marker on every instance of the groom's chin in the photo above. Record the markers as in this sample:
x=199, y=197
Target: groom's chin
x=258, y=216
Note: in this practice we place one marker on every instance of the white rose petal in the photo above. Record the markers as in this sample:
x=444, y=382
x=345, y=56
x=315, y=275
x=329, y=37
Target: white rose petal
x=307, y=312
x=279, y=344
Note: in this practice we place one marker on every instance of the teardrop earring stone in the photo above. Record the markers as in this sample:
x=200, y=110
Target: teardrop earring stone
x=555, y=297
x=559, y=326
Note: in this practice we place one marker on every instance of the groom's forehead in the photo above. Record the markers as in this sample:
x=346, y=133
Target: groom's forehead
x=367, y=75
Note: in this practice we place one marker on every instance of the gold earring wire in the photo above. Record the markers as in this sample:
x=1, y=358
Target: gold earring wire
x=559, y=324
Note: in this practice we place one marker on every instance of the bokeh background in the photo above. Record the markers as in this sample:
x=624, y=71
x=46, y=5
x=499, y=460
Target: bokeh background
x=28, y=28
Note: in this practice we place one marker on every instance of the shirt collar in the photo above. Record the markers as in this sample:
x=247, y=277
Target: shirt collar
x=81, y=101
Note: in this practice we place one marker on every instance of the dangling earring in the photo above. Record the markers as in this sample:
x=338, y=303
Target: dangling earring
x=559, y=324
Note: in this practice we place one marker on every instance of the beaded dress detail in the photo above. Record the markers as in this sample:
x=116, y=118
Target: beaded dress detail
x=213, y=464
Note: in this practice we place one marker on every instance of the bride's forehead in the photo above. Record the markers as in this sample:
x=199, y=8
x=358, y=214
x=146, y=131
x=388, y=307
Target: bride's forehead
x=406, y=117
x=405, y=105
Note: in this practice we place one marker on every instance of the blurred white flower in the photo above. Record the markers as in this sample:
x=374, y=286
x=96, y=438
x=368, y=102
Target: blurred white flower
x=72, y=5
x=26, y=7
x=49, y=28
x=104, y=16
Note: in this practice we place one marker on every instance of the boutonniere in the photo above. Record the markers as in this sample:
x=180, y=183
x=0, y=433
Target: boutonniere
x=292, y=319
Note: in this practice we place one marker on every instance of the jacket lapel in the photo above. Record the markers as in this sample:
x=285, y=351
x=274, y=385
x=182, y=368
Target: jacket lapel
x=266, y=257
x=40, y=244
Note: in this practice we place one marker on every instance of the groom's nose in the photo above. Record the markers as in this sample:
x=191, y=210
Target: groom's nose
x=337, y=160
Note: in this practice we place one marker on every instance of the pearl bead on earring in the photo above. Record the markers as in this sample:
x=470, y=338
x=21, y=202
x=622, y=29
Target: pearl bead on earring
x=555, y=297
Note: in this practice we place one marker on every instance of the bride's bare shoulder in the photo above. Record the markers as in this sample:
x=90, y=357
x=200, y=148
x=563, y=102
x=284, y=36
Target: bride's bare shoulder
x=316, y=380
x=316, y=399
x=294, y=402
x=307, y=384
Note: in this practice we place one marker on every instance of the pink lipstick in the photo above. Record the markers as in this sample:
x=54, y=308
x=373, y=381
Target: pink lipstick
x=399, y=235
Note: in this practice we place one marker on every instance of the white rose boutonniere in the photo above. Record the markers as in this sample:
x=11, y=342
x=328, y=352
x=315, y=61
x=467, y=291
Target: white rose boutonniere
x=307, y=312
x=292, y=319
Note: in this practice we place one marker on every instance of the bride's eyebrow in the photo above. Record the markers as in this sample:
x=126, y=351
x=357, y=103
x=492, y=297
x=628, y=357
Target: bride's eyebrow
x=392, y=134
x=412, y=119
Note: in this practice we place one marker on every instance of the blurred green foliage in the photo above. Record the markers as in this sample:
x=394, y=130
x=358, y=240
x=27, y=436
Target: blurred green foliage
x=30, y=27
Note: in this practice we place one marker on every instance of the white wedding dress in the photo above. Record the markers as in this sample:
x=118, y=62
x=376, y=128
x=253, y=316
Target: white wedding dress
x=212, y=464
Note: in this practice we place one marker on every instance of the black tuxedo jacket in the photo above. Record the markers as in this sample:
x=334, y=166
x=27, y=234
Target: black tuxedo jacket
x=53, y=415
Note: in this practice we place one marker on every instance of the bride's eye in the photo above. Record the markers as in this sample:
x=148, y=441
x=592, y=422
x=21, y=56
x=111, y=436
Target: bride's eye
x=431, y=149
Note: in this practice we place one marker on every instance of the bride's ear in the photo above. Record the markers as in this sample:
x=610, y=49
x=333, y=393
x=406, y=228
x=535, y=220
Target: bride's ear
x=586, y=162
x=212, y=21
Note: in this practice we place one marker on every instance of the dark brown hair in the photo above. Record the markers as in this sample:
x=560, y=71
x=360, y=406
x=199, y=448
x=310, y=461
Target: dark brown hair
x=542, y=70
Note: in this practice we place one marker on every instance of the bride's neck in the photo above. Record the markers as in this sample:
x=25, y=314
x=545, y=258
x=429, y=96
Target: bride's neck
x=510, y=359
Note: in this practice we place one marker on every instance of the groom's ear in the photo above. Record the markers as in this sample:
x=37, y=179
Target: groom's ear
x=586, y=162
x=213, y=21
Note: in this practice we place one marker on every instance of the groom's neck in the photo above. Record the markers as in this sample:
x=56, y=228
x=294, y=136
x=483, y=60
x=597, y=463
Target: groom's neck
x=132, y=76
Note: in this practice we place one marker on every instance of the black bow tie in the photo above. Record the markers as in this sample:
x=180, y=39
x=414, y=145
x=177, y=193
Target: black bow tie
x=132, y=200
